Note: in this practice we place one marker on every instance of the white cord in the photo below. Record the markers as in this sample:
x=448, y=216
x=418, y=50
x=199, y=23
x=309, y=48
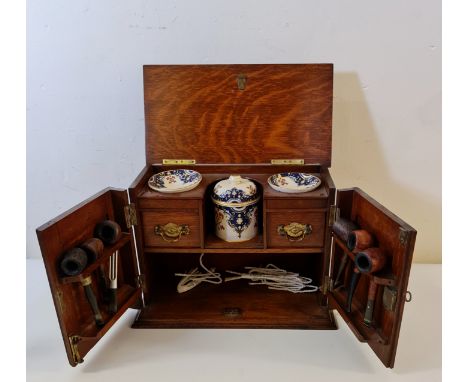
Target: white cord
x=275, y=278
x=195, y=277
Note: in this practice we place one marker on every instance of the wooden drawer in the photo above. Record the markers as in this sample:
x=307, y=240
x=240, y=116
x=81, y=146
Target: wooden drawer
x=157, y=232
x=313, y=223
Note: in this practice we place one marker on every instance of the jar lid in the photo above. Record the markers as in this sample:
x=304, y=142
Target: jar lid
x=235, y=191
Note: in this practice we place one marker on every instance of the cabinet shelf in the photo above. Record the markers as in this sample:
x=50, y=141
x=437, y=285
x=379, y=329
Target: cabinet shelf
x=233, y=305
x=127, y=296
x=108, y=251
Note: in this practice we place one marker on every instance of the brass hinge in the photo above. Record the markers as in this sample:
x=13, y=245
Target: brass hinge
x=333, y=214
x=287, y=161
x=141, y=281
x=403, y=236
x=179, y=161
x=74, y=348
x=130, y=215
x=327, y=285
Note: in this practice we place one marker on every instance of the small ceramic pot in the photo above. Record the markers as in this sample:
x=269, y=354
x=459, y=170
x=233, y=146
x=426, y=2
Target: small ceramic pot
x=236, y=209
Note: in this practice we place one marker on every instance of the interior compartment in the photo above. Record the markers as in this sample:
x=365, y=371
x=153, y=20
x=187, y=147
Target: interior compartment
x=235, y=303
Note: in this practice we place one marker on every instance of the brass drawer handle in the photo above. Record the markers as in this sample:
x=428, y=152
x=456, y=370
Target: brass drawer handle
x=171, y=232
x=295, y=231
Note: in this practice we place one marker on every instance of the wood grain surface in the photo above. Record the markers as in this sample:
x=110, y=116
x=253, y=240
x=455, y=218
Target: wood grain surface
x=198, y=112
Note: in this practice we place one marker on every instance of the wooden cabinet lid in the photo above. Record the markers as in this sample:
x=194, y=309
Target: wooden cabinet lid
x=239, y=113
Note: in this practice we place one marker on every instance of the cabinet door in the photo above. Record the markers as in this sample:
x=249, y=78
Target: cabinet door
x=396, y=240
x=70, y=294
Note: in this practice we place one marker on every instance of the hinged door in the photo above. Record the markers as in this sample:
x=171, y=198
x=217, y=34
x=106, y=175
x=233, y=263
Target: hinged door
x=90, y=302
x=375, y=311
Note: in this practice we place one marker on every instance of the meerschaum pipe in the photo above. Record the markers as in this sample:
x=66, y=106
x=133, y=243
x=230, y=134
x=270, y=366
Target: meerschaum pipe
x=367, y=261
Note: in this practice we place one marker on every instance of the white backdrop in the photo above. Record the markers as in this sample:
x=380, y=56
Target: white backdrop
x=85, y=122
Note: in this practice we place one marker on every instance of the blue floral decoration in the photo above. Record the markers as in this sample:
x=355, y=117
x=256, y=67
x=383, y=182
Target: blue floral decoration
x=240, y=218
x=234, y=195
x=185, y=176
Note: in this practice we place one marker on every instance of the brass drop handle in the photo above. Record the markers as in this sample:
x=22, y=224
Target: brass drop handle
x=171, y=232
x=294, y=231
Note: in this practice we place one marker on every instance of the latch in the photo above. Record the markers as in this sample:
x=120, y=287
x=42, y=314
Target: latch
x=74, y=348
x=130, y=215
x=287, y=161
x=179, y=161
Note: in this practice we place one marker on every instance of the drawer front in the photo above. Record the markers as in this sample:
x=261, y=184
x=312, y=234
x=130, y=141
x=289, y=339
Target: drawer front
x=295, y=229
x=162, y=228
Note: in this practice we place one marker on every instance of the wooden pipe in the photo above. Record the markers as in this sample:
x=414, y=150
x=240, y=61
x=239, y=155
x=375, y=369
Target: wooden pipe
x=359, y=240
x=108, y=231
x=352, y=287
x=343, y=228
x=370, y=303
x=74, y=262
x=367, y=261
x=94, y=248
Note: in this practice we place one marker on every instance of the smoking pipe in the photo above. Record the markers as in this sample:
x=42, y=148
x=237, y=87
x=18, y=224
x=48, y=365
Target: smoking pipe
x=73, y=263
x=343, y=228
x=108, y=231
x=94, y=248
x=359, y=240
x=367, y=261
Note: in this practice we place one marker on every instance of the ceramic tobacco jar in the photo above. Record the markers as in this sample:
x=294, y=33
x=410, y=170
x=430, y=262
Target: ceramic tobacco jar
x=236, y=209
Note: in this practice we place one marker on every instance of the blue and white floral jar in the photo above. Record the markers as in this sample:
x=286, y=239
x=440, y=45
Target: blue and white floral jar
x=236, y=209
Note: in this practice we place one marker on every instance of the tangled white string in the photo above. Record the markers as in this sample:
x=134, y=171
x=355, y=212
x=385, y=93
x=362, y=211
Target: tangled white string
x=275, y=278
x=195, y=277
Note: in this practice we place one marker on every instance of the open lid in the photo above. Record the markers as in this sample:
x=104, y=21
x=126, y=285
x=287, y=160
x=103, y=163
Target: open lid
x=74, y=311
x=242, y=114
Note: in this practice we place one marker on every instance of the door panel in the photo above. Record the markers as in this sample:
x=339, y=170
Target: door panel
x=396, y=239
x=74, y=311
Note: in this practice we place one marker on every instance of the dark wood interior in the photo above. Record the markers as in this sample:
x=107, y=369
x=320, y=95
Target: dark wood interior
x=210, y=306
x=260, y=306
